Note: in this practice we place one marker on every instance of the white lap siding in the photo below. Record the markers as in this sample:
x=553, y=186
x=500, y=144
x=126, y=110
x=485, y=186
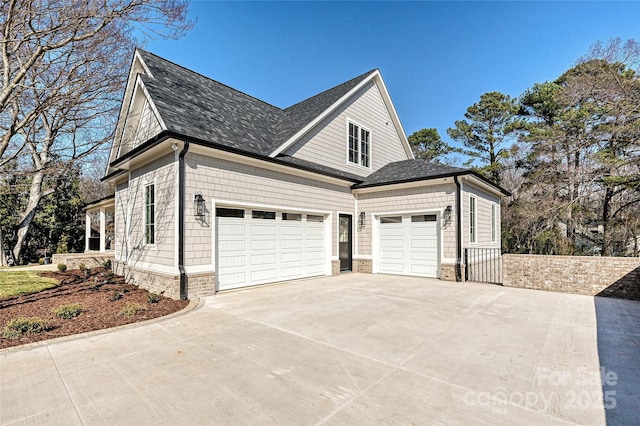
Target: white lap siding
x=484, y=201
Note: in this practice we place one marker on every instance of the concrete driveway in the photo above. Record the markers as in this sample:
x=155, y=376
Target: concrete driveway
x=352, y=349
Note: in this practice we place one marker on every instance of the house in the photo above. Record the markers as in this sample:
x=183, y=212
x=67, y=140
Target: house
x=215, y=189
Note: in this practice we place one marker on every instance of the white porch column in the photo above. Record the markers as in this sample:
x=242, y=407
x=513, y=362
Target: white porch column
x=103, y=230
x=87, y=230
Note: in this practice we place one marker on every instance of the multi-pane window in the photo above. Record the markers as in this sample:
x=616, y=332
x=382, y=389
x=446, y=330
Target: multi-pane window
x=473, y=220
x=493, y=223
x=149, y=215
x=359, y=145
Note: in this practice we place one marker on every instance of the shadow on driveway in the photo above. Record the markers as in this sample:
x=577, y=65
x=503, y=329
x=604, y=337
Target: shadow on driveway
x=619, y=352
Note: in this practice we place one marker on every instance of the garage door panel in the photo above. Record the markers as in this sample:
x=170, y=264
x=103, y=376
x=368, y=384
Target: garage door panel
x=391, y=267
x=262, y=276
x=290, y=244
x=388, y=254
x=232, y=261
x=425, y=243
x=423, y=269
x=408, y=246
x=295, y=256
x=291, y=230
x=255, y=251
x=233, y=280
x=270, y=244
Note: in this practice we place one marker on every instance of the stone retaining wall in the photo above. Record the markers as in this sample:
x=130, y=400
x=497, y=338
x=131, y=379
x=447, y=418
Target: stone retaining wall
x=90, y=260
x=601, y=276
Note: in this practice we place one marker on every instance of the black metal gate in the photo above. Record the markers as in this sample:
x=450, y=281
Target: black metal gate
x=483, y=265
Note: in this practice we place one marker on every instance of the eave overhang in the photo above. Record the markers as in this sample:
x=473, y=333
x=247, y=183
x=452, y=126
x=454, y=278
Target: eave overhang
x=156, y=147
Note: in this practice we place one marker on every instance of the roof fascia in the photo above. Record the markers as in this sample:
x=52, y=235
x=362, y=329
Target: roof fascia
x=293, y=139
x=136, y=57
x=240, y=156
x=144, y=65
x=102, y=202
x=436, y=180
x=394, y=114
x=265, y=163
x=482, y=182
x=151, y=103
x=113, y=176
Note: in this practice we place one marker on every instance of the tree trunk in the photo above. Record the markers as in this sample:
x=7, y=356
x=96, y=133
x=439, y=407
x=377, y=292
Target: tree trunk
x=36, y=194
x=3, y=259
x=606, y=218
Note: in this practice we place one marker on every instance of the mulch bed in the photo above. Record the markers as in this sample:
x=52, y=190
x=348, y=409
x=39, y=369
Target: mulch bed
x=95, y=293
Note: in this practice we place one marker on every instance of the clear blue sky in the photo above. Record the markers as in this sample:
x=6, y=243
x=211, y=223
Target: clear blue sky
x=436, y=58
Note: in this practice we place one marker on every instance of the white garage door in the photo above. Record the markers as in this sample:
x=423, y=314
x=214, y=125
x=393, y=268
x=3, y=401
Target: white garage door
x=259, y=247
x=409, y=245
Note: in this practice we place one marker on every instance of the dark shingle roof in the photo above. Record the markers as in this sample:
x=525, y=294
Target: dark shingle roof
x=409, y=170
x=299, y=115
x=205, y=109
x=197, y=106
x=326, y=170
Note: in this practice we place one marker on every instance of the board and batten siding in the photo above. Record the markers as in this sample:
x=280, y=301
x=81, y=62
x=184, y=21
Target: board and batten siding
x=221, y=179
x=130, y=222
x=484, y=201
x=428, y=197
x=326, y=143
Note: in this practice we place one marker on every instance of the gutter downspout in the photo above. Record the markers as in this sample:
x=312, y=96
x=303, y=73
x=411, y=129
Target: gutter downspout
x=458, y=231
x=181, y=190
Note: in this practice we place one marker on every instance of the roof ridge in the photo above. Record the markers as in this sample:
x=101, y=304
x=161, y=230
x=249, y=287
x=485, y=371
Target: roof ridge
x=209, y=78
x=331, y=88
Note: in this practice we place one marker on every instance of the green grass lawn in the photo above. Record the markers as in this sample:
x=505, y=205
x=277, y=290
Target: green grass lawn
x=15, y=283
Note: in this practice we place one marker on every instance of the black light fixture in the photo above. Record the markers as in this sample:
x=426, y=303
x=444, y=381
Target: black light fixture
x=447, y=214
x=199, y=205
x=361, y=220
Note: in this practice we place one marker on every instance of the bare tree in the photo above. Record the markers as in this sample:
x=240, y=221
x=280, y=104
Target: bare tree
x=64, y=66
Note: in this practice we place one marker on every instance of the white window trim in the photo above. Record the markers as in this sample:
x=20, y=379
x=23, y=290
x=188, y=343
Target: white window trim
x=473, y=220
x=144, y=215
x=494, y=222
x=361, y=127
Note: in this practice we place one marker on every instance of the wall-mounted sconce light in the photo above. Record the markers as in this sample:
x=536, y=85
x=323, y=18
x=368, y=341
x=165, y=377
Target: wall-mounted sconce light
x=361, y=220
x=199, y=205
x=447, y=214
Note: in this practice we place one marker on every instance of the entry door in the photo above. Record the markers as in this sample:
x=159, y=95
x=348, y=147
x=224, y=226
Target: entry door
x=344, y=241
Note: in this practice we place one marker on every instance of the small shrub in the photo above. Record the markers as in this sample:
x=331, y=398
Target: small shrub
x=116, y=295
x=87, y=272
x=153, y=298
x=130, y=309
x=107, y=264
x=69, y=311
x=20, y=326
x=82, y=266
x=62, y=267
x=41, y=261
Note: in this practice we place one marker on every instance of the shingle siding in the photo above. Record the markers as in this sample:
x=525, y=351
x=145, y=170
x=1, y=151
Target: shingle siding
x=327, y=142
x=130, y=241
x=219, y=179
x=410, y=199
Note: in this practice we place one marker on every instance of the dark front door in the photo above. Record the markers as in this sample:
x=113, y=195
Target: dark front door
x=344, y=241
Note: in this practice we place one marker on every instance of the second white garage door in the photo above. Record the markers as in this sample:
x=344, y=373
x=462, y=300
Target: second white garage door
x=408, y=245
x=259, y=247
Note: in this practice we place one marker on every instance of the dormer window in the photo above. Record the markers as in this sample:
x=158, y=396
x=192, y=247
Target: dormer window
x=359, y=145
